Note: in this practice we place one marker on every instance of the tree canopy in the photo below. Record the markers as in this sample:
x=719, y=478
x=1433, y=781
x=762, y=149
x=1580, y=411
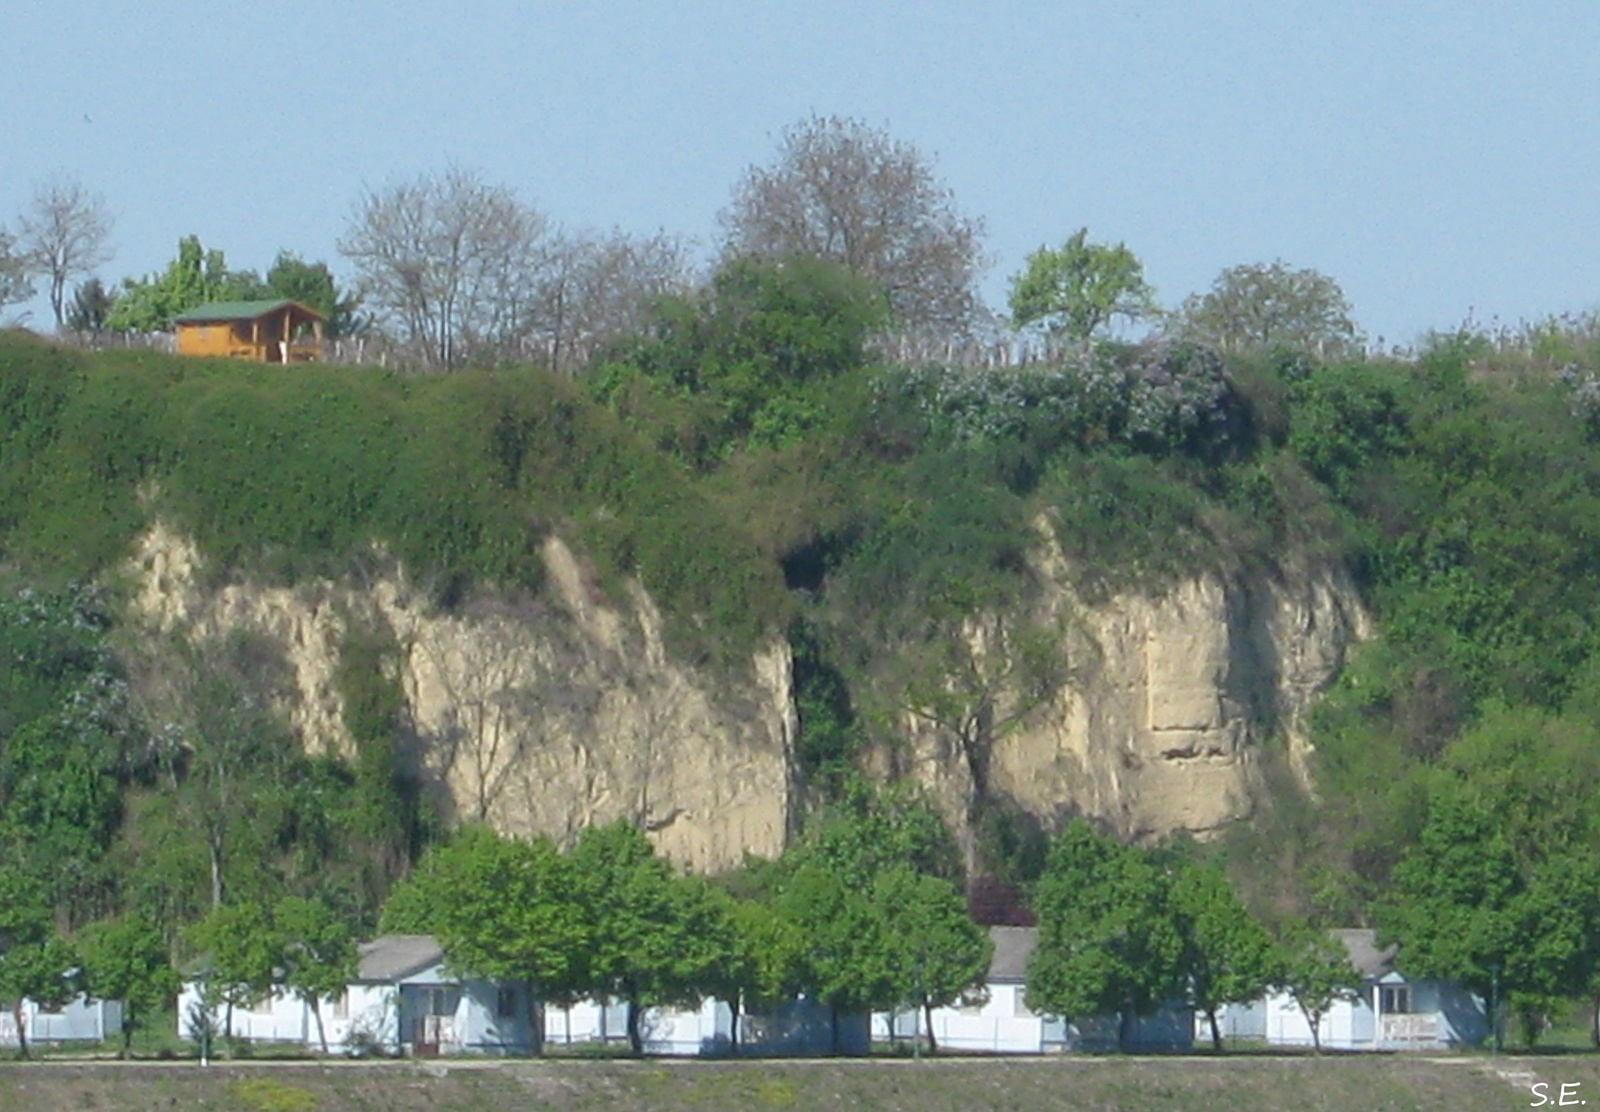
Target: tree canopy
x=851, y=194
x=1079, y=288
x=1262, y=306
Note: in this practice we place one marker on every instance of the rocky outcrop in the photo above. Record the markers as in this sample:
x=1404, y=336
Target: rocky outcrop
x=547, y=714
x=1166, y=701
x=542, y=714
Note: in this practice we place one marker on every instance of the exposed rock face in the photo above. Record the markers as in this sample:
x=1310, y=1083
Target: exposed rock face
x=551, y=714
x=1166, y=703
x=542, y=716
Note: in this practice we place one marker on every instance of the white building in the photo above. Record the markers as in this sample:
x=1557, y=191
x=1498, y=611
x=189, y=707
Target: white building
x=795, y=1029
x=80, y=1020
x=997, y=1019
x=1389, y=1012
x=400, y=1001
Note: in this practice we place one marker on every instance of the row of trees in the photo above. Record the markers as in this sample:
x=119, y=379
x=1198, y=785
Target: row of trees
x=461, y=270
x=854, y=918
x=1125, y=931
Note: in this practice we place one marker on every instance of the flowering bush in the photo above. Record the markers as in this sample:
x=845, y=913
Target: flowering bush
x=1158, y=398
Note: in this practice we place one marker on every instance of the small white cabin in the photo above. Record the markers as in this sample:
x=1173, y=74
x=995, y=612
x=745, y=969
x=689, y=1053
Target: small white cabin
x=81, y=1020
x=1390, y=1012
x=401, y=1001
x=997, y=1019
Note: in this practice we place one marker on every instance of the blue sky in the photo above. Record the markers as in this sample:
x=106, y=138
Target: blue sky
x=1435, y=158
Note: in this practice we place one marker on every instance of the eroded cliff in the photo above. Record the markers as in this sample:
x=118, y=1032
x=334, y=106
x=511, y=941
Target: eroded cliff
x=549, y=713
x=1167, y=701
x=543, y=714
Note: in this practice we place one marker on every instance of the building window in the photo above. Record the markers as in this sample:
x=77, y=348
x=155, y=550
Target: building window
x=1394, y=999
x=341, y=1005
x=505, y=1004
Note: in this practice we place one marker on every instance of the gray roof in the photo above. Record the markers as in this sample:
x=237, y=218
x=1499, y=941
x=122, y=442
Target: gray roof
x=1362, y=946
x=1013, y=948
x=395, y=957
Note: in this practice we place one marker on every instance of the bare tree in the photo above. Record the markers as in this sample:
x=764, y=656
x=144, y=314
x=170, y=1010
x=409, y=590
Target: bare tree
x=599, y=288
x=65, y=234
x=450, y=261
x=849, y=193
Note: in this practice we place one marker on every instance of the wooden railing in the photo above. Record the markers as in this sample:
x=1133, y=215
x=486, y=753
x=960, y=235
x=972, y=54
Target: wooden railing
x=1404, y=1030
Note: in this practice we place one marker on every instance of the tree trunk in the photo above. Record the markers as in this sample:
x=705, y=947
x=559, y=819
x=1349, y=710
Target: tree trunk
x=1315, y=1020
x=1594, y=1023
x=737, y=1007
x=316, y=1013
x=214, y=845
x=535, y=1021
x=927, y=1018
x=635, y=1035
x=1124, y=1029
x=833, y=1028
x=1216, y=1031
x=22, y=1029
x=127, y=1031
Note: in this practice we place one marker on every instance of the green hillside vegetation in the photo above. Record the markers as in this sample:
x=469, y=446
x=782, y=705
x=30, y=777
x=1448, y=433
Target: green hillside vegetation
x=763, y=474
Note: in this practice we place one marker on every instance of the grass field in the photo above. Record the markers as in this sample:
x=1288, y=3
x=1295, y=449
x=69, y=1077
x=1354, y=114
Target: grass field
x=1334, y=1084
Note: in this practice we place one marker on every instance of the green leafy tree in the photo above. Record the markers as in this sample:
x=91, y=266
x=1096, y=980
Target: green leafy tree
x=849, y=965
x=1314, y=969
x=1079, y=288
x=195, y=277
x=746, y=358
x=1109, y=940
x=502, y=909
x=768, y=967
x=237, y=947
x=937, y=953
x=313, y=285
x=1500, y=889
x=316, y=953
x=1263, y=306
x=64, y=743
x=868, y=830
x=126, y=959
x=656, y=938
x=91, y=307
x=41, y=971
x=26, y=937
x=1227, y=952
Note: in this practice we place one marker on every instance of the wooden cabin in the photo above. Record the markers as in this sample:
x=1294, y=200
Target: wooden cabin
x=265, y=331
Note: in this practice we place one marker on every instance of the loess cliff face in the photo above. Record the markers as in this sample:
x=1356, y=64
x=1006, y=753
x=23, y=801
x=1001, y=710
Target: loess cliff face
x=549, y=714
x=534, y=716
x=1166, y=703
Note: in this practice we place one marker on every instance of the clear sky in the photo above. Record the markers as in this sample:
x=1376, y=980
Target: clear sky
x=1434, y=157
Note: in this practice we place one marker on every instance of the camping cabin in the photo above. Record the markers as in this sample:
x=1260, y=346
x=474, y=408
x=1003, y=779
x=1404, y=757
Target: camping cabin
x=263, y=331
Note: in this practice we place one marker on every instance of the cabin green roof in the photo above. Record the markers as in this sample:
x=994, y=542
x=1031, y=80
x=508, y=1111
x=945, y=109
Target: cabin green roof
x=237, y=310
